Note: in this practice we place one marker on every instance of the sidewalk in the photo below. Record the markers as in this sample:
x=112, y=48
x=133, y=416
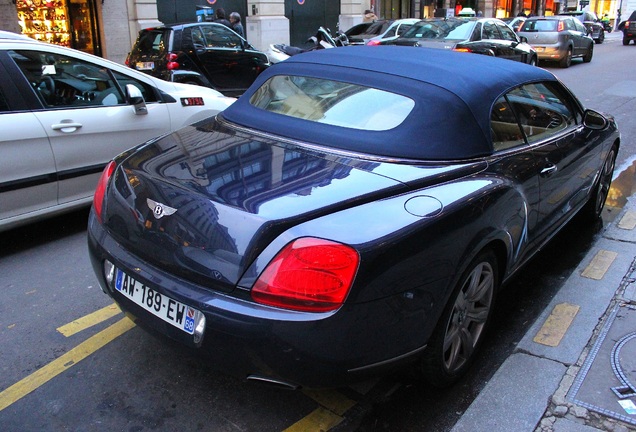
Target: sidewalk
x=575, y=369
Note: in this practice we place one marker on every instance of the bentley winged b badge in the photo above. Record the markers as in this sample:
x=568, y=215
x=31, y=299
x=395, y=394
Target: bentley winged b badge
x=158, y=209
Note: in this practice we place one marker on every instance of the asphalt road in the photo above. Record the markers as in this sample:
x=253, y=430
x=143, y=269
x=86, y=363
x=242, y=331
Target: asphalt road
x=71, y=362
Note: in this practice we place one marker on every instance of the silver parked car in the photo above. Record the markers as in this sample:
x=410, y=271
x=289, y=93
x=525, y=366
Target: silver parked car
x=558, y=39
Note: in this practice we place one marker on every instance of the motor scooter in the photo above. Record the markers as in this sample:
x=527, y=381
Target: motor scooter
x=321, y=40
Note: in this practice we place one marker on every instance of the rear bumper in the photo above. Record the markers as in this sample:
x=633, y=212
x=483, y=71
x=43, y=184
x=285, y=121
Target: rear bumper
x=550, y=52
x=251, y=341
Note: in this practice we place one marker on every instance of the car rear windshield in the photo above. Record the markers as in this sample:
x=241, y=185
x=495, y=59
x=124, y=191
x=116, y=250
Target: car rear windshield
x=333, y=102
x=151, y=42
x=441, y=29
x=540, y=26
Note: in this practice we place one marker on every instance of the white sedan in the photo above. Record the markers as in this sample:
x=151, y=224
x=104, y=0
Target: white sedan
x=64, y=114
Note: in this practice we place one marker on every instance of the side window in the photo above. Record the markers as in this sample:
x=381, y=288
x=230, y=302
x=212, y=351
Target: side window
x=66, y=82
x=403, y=29
x=507, y=32
x=580, y=27
x=476, y=33
x=197, y=36
x=490, y=31
x=147, y=91
x=541, y=111
x=219, y=36
x=505, y=129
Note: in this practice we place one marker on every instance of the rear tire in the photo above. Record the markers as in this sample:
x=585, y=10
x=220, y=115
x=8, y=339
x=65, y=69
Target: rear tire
x=460, y=330
x=594, y=207
x=588, y=55
x=567, y=60
x=601, y=37
x=625, y=41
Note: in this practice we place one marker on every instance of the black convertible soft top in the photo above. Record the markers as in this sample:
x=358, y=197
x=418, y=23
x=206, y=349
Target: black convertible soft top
x=453, y=94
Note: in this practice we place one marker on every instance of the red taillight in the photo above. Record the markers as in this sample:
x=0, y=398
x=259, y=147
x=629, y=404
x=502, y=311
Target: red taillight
x=462, y=50
x=561, y=26
x=309, y=274
x=373, y=42
x=171, y=61
x=100, y=191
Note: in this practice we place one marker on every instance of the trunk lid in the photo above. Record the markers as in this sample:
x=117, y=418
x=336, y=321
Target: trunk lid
x=203, y=202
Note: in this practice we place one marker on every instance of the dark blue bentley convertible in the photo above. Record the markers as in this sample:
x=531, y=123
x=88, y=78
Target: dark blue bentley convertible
x=348, y=213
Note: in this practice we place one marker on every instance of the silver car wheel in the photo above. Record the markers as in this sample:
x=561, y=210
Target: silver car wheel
x=469, y=316
x=604, y=183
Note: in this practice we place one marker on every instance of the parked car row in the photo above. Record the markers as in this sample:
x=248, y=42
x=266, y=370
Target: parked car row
x=263, y=232
x=558, y=38
x=488, y=36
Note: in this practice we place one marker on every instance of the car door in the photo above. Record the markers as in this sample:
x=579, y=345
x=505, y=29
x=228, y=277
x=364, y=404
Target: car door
x=552, y=124
x=86, y=116
x=510, y=38
x=579, y=33
x=229, y=61
x=493, y=41
x=27, y=168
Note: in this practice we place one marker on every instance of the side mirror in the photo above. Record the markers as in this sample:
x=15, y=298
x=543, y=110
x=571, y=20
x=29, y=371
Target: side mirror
x=136, y=99
x=523, y=39
x=594, y=120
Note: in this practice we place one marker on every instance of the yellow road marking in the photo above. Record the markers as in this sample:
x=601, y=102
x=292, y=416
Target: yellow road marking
x=331, y=399
x=556, y=325
x=599, y=265
x=89, y=320
x=333, y=405
x=22, y=388
x=320, y=420
x=628, y=221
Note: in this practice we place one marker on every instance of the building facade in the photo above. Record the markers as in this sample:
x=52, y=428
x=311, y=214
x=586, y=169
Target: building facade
x=108, y=28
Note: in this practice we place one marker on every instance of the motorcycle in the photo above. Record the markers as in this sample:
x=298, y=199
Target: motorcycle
x=607, y=26
x=321, y=40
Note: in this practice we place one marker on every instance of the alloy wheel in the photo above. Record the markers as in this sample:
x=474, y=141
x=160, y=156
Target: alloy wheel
x=470, y=313
x=604, y=182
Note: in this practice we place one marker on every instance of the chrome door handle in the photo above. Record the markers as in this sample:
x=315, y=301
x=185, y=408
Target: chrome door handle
x=66, y=127
x=548, y=170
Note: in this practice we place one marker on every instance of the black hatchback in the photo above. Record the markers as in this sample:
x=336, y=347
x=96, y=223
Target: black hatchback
x=206, y=54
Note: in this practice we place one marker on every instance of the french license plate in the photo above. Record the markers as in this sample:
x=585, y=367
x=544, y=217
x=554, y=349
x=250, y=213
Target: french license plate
x=145, y=65
x=160, y=305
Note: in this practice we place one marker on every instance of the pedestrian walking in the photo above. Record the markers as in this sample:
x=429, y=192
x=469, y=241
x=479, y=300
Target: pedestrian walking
x=220, y=18
x=235, y=21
